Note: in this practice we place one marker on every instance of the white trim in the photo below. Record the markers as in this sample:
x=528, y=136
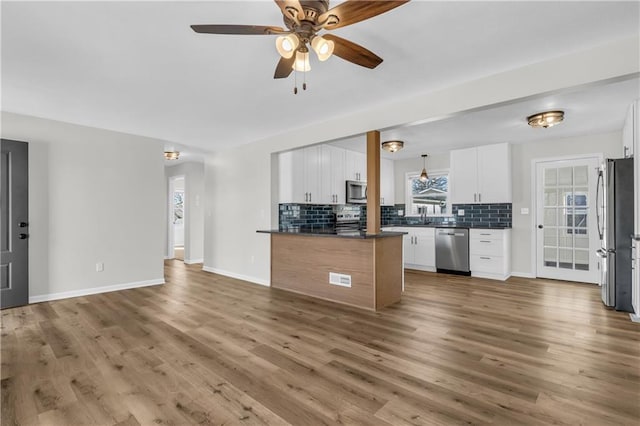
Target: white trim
x=523, y=274
x=247, y=278
x=168, y=258
x=192, y=261
x=634, y=317
x=94, y=290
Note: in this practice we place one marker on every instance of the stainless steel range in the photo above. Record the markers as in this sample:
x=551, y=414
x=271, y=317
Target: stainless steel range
x=347, y=218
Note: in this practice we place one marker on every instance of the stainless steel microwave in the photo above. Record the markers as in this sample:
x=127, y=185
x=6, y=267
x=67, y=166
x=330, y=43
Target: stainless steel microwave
x=356, y=192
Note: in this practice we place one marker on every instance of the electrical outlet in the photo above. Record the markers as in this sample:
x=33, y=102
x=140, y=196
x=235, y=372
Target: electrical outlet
x=99, y=267
x=400, y=212
x=460, y=212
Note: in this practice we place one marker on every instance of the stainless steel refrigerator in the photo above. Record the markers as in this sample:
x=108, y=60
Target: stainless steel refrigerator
x=614, y=206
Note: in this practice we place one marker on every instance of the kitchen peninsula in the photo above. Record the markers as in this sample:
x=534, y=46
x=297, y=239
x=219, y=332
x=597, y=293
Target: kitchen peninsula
x=352, y=268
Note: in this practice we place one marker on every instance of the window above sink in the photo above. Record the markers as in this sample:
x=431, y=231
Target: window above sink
x=428, y=198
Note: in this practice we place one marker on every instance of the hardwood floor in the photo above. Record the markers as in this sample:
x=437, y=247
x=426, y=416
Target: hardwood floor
x=205, y=349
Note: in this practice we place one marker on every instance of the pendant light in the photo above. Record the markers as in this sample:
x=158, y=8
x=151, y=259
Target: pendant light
x=423, y=175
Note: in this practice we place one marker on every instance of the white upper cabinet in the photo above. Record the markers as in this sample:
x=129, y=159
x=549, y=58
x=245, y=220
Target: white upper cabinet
x=356, y=166
x=629, y=131
x=332, y=166
x=481, y=175
x=299, y=173
x=387, y=184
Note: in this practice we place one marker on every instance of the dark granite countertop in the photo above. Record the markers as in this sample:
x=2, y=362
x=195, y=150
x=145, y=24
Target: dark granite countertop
x=329, y=232
x=442, y=225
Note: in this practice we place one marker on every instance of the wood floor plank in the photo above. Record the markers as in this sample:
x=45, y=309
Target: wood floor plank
x=207, y=349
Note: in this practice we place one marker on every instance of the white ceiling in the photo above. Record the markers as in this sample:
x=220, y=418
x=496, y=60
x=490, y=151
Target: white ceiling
x=588, y=110
x=137, y=67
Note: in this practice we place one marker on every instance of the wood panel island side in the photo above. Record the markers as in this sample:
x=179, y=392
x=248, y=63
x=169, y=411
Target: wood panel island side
x=302, y=262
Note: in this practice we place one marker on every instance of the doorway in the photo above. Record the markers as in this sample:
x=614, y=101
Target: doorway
x=176, y=230
x=566, y=234
x=14, y=214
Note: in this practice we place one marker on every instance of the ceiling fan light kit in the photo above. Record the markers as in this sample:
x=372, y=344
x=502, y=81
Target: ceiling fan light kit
x=287, y=45
x=392, y=146
x=303, y=20
x=322, y=47
x=171, y=155
x=546, y=119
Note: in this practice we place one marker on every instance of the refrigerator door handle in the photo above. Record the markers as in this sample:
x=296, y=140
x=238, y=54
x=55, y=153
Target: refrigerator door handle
x=600, y=181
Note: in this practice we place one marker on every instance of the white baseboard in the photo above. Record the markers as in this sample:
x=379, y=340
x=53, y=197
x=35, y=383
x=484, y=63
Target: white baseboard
x=168, y=258
x=247, y=278
x=192, y=261
x=634, y=317
x=523, y=274
x=93, y=290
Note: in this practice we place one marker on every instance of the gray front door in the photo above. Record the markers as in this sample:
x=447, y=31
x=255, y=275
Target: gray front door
x=14, y=228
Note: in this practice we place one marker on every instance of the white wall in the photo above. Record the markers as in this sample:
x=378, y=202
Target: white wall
x=193, y=209
x=238, y=181
x=94, y=196
x=523, y=232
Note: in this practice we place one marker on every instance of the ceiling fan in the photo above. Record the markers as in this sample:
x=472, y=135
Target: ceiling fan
x=304, y=19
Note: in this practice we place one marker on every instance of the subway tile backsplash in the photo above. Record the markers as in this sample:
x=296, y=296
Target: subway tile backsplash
x=492, y=215
x=316, y=215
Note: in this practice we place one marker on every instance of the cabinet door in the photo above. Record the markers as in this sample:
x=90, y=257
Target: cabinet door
x=356, y=166
x=312, y=176
x=387, y=184
x=336, y=172
x=494, y=173
x=425, y=248
x=292, y=183
x=463, y=176
x=407, y=244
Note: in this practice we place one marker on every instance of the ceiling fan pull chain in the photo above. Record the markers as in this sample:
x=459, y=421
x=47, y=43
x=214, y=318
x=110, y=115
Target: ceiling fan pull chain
x=295, y=82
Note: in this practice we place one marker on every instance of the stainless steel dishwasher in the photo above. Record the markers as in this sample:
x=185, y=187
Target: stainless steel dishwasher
x=452, y=250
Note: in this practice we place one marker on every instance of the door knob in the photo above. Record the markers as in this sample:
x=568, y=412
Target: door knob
x=23, y=236
x=540, y=226
x=22, y=224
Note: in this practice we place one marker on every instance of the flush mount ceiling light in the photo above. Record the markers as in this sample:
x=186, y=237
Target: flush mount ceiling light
x=171, y=155
x=423, y=175
x=546, y=119
x=392, y=146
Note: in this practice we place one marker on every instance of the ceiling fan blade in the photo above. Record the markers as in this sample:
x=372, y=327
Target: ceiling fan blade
x=238, y=29
x=291, y=9
x=352, y=11
x=349, y=51
x=284, y=67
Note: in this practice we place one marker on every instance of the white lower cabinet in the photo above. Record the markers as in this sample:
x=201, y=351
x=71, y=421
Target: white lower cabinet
x=419, y=248
x=490, y=253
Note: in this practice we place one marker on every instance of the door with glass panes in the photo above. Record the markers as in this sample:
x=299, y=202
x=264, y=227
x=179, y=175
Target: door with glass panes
x=566, y=237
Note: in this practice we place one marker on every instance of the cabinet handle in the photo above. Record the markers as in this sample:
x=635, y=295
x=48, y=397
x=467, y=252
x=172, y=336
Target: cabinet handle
x=309, y=197
x=479, y=197
x=484, y=241
x=485, y=258
x=485, y=234
x=475, y=197
x=626, y=152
